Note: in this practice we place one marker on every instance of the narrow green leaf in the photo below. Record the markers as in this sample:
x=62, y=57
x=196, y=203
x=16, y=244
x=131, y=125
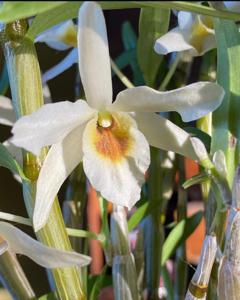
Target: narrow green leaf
x=51, y=296
x=7, y=161
x=153, y=23
x=179, y=234
x=13, y=10
x=200, y=178
x=139, y=214
x=70, y=9
x=226, y=119
x=98, y=282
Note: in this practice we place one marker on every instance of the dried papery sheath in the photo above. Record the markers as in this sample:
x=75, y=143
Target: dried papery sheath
x=123, y=264
x=124, y=277
x=228, y=280
x=119, y=231
x=198, y=286
x=219, y=162
x=229, y=270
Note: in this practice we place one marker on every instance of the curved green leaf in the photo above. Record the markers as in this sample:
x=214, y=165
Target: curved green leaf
x=179, y=234
x=13, y=10
x=153, y=23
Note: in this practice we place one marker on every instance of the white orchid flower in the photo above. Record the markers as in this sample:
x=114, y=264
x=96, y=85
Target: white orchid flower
x=194, y=35
x=111, y=140
x=60, y=37
x=15, y=240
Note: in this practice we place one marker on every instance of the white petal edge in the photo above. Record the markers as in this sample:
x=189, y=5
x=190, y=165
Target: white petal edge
x=53, y=36
x=163, y=134
x=60, y=161
x=93, y=53
x=191, y=102
x=174, y=41
x=49, y=125
x=119, y=182
x=20, y=243
x=66, y=63
x=7, y=115
x=186, y=20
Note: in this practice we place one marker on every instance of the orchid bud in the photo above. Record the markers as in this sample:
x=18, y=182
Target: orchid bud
x=219, y=162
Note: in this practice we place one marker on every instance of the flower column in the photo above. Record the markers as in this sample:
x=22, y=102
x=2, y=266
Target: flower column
x=25, y=82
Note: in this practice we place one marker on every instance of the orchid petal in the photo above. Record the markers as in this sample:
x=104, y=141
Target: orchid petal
x=163, y=134
x=50, y=124
x=191, y=102
x=65, y=64
x=94, y=60
x=186, y=20
x=115, y=167
x=7, y=116
x=60, y=37
x=174, y=41
x=19, y=242
x=61, y=159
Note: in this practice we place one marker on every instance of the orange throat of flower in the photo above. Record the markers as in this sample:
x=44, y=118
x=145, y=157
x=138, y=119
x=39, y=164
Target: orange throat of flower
x=112, y=142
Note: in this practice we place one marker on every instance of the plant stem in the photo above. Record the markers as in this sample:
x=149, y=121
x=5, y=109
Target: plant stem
x=14, y=278
x=170, y=73
x=121, y=76
x=26, y=88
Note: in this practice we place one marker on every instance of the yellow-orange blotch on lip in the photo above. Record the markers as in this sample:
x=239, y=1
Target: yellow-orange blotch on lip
x=113, y=142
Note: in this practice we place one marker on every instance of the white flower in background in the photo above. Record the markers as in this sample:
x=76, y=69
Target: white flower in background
x=194, y=34
x=111, y=140
x=60, y=37
x=15, y=240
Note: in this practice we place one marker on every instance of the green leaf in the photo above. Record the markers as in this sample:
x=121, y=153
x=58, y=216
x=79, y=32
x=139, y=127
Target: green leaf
x=179, y=234
x=69, y=10
x=139, y=214
x=13, y=10
x=203, y=136
x=200, y=178
x=226, y=119
x=153, y=23
x=97, y=282
x=7, y=161
x=51, y=296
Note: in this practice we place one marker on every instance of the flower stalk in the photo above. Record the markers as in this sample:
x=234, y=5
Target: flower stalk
x=26, y=88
